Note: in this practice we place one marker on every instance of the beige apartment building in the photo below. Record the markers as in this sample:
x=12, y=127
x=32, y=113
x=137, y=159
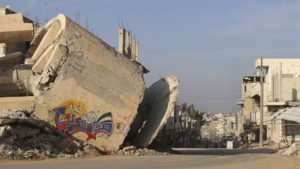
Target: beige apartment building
x=281, y=90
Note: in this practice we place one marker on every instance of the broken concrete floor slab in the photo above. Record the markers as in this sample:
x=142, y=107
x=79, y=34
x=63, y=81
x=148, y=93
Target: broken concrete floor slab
x=156, y=108
x=14, y=27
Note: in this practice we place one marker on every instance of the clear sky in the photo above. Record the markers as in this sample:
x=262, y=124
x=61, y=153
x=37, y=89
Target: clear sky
x=208, y=44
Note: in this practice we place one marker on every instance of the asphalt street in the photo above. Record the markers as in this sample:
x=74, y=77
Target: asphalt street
x=190, y=159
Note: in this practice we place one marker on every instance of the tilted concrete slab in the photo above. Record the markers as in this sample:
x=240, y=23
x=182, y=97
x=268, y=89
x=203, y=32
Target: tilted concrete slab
x=155, y=109
x=14, y=29
x=16, y=33
x=83, y=86
x=10, y=60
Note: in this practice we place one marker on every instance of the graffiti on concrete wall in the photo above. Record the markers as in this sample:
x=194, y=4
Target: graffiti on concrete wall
x=73, y=116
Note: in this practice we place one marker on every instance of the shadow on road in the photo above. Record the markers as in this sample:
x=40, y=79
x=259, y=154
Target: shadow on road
x=220, y=151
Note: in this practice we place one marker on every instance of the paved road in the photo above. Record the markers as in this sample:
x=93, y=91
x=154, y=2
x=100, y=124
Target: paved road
x=244, y=161
x=223, y=151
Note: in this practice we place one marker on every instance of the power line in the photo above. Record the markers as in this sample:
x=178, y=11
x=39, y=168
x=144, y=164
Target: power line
x=199, y=97
x=210, y=98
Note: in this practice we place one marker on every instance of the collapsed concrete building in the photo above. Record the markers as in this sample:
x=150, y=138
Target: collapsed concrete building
x=73, y=80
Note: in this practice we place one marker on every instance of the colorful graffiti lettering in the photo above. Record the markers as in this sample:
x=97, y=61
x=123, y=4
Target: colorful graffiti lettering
x=72, y=116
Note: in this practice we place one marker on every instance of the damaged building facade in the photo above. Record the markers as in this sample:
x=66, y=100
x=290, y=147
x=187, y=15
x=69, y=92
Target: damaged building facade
x=281, y=90
x=74, y=81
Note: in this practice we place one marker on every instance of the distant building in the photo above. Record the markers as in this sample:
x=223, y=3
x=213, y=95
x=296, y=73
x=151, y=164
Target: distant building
x=218, y=126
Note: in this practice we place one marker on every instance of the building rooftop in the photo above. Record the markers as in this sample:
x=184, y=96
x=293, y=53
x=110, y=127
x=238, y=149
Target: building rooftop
x=274, y=61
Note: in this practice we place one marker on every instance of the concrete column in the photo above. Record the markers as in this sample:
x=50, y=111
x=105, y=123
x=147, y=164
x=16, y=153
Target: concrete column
x=128, y=45
x=133, y=54
x=2, y=49
x=137, y=51
x=122, y=32
x=280, y=81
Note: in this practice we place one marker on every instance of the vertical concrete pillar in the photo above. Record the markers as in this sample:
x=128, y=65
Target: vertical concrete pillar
x=2, y=49
x=122, y=32
x=128, y=45
x=3, y=45
x=280, y=81
x=133, y=54
x=137, y=51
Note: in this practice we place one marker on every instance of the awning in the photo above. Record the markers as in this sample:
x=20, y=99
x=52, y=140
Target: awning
x=290, y=114
x=249, y=131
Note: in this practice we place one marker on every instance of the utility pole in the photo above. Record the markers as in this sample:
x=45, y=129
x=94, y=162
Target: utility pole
x=261, y=127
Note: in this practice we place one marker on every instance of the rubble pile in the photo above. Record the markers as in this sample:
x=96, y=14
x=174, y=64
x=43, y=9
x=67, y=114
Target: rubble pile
x=293, y=150
x=134, y=151
x=24, y=136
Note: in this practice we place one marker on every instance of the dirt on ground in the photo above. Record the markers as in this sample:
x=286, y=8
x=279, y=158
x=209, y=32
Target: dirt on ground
x=273, y=161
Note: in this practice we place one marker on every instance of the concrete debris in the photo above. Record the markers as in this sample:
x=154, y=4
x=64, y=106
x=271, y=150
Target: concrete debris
x=24, y=136
x=156, y=108
x=134, y=151
x=246, y=146
x=293, y=149
x=129, y=148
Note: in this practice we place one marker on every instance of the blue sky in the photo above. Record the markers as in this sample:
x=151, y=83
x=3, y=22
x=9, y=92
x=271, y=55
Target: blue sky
x=209, y=45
